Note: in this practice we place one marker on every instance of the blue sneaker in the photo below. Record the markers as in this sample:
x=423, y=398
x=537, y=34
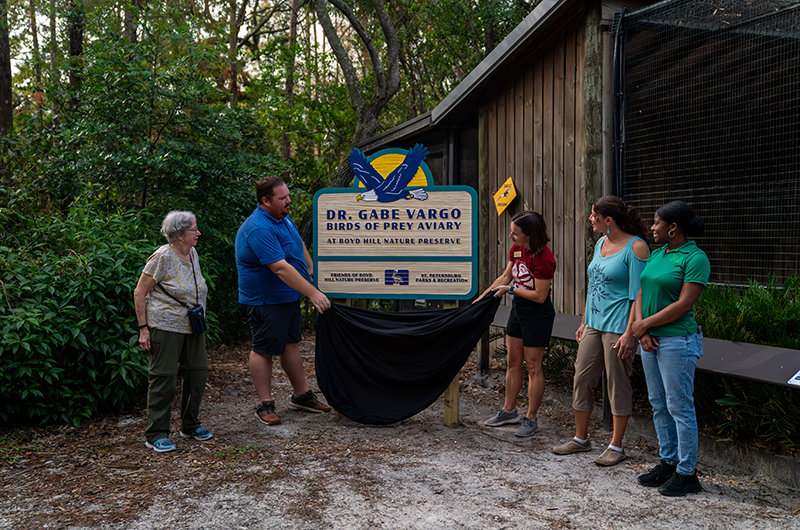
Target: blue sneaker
x=161, y=446
x=198, y=434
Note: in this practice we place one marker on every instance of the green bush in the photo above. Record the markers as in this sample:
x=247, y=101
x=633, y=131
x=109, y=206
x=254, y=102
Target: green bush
x=152, y=130
x=747, y=410
x=757, y=314
x=68, y=343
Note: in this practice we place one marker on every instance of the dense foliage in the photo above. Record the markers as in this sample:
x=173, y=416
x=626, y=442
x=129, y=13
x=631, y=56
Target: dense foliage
x=151, y=132
x=67, y=343
x=770, y=315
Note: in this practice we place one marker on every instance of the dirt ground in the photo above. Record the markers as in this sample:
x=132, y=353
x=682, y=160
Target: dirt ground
x=315, y=471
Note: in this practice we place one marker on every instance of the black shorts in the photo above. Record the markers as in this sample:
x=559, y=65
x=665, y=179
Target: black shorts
x=532, y=322
x=274, y=326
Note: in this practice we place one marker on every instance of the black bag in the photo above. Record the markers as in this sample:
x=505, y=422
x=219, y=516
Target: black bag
x=197, y=318
x=197, y=315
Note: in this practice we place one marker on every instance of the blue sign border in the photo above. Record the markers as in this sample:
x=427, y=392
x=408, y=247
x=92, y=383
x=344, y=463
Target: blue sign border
x=414, y=259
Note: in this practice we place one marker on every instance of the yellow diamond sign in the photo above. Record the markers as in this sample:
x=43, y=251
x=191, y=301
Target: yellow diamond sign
x=504, y=196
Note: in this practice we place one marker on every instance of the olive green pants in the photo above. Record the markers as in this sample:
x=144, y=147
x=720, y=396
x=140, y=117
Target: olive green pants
x=169, y=353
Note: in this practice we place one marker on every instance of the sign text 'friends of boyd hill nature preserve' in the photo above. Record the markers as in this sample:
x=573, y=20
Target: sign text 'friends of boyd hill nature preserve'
x=394, y=234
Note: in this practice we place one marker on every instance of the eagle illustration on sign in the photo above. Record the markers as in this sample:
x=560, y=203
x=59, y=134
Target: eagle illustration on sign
x=393, y=187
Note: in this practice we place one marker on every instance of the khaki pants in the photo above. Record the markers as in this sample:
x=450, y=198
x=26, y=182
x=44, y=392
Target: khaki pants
x=168, y=353
x=596, y=352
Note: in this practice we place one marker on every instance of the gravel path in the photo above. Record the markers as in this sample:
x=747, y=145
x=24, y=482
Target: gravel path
x=315, y=471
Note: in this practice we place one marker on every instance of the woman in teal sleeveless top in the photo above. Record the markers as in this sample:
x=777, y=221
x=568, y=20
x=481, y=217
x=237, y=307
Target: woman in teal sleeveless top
x=605, y=340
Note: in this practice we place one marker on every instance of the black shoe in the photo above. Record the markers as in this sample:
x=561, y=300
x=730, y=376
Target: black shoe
x=658, y=475
x=679, y=485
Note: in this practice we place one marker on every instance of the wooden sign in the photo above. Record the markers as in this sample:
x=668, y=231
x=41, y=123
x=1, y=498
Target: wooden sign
x=504, y=196
x=401, y=239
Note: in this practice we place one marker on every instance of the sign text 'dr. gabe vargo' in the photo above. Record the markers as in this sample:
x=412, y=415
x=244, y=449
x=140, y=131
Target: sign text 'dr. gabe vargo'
x=379, y=239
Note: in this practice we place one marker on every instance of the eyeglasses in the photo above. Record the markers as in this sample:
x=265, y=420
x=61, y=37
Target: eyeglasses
x=193, y=229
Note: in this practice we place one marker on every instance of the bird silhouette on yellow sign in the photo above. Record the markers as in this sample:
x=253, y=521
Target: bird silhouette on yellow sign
x=504, y=196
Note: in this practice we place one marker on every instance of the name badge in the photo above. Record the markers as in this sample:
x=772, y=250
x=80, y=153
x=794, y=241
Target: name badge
x=518, y=254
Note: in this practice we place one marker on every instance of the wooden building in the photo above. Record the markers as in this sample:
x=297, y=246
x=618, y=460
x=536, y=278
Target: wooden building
x=537, y=109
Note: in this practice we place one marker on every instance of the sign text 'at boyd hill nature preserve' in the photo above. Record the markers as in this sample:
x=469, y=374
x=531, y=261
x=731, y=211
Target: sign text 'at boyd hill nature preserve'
x=394, y=234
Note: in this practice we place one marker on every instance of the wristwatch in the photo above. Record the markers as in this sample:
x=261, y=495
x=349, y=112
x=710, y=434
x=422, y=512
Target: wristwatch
x=511, y=291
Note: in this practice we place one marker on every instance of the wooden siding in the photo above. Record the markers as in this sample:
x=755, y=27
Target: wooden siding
x=532, y=129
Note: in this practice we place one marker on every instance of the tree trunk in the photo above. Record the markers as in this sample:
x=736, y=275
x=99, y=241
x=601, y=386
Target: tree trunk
x=133, y=11
x=233, y=33
x=6, y=102
x=75, y=32
x=386, y=72
x=55, y=78
x=286, y=147
x=386, y=69
x=37, y=59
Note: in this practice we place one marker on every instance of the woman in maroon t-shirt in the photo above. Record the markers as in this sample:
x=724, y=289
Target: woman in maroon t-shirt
x=527, y=278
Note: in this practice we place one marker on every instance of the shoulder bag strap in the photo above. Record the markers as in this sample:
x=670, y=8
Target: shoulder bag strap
x=196, y=291
x=184, y=304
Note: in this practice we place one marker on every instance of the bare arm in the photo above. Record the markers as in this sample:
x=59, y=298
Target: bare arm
x=647, y=341
x=295, y=280
x=502, y=281
x=640, y=249
x=690, y=292
x=626, y=343
x=539, y=294
x=143, y=288
x=579, y=331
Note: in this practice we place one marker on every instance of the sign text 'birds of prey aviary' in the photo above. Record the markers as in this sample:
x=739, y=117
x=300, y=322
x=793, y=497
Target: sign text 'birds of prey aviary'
x=394, y=234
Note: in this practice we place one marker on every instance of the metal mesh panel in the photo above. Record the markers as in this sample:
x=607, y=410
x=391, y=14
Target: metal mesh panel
x=711, y=110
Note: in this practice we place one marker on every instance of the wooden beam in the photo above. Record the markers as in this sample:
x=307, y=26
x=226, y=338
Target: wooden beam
x=451, y=393
x=484, y=212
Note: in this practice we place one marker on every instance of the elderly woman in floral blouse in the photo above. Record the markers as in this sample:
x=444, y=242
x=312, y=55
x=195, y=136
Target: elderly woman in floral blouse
x=170, y=279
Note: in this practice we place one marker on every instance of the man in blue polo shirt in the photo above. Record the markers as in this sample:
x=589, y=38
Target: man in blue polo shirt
x=274, y=265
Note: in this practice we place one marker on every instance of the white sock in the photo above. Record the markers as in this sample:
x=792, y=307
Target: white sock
x=579, y=440
x=615, y=448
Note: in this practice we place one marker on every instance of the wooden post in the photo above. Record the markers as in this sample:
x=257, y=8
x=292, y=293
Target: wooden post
x=484, y=203
x=451, y=393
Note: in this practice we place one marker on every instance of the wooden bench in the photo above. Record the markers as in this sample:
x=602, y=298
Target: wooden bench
x=766, y=364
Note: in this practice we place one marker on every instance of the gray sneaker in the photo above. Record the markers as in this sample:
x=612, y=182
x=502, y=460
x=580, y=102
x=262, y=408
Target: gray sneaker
x=503, y=418
x=527, y=428
x=572, y=446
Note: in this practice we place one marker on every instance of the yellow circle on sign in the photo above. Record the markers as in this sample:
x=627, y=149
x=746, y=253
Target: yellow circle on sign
x=387, y=163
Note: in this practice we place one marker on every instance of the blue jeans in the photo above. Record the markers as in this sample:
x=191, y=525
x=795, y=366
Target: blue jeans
x=669, y=371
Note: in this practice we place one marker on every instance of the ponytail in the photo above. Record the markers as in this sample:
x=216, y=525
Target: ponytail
x=626, y=217
x=633, y=224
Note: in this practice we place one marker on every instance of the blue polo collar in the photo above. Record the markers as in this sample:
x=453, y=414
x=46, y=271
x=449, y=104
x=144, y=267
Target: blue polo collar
x=268, y=216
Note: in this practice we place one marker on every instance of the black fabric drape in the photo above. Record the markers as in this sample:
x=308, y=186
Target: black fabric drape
x=379, y=368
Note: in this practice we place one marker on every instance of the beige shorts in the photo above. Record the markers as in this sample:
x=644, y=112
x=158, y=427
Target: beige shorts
x=596, y=352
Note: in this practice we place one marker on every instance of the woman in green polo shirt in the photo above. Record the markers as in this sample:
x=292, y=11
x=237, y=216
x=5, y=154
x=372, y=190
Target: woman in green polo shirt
x=672, y=342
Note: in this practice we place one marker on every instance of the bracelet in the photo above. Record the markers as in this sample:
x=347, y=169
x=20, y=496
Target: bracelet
x=511, y=291
x=143, y=326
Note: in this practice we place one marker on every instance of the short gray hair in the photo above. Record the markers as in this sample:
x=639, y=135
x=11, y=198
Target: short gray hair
x=176, y=223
